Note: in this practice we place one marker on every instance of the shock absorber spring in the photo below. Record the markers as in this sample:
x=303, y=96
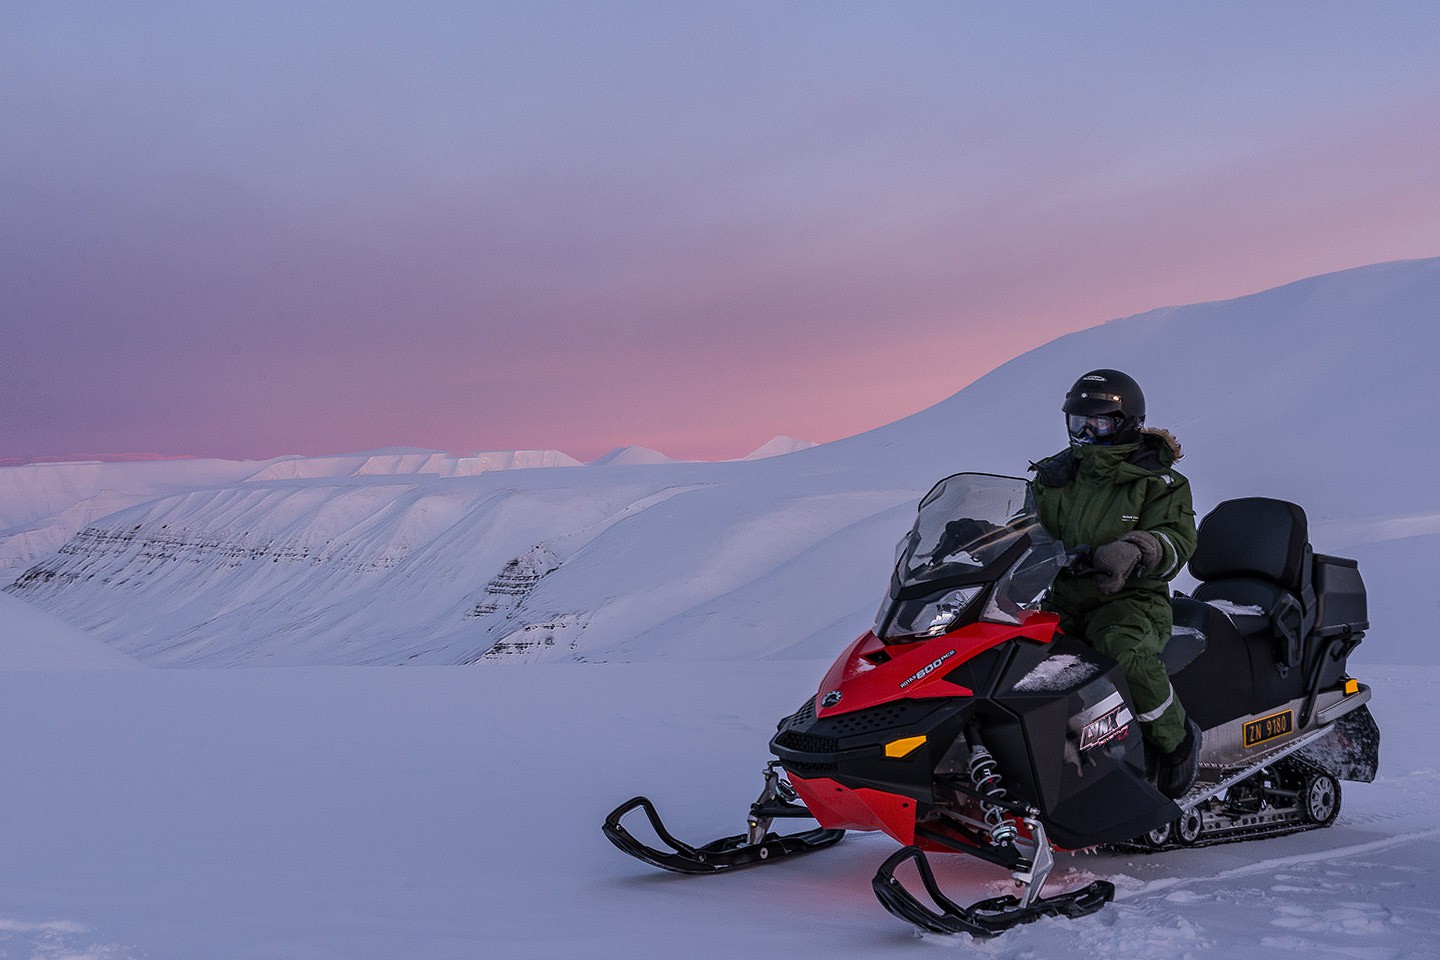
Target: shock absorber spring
x=987, y=782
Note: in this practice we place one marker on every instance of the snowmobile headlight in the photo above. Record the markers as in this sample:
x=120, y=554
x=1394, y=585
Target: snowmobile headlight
x=937, y=616
x=922, y=619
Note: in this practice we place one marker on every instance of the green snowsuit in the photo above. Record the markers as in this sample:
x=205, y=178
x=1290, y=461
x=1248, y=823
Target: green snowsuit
x=1092, y=495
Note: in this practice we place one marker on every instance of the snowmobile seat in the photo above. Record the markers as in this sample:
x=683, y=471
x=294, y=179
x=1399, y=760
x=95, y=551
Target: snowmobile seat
x=1217, y=683
x=1278, y=618
x=1256, y=564
x=1187, y=636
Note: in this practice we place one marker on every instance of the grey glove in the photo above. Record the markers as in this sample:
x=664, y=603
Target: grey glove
x=1115, y=562
x=1150, y=551
x=1119, y=560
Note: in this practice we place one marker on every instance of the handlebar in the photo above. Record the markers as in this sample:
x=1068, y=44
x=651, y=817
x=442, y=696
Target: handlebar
x=1077, y=561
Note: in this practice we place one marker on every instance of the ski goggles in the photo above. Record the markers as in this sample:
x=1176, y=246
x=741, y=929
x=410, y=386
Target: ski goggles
x=1092, y=428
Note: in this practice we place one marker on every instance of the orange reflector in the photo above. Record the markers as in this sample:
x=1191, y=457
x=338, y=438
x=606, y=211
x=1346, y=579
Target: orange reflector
x=896, y=749
x=1352, y=686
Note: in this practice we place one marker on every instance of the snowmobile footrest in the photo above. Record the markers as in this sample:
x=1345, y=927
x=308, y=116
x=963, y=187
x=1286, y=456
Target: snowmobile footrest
x=726, y=853
x=985, y=918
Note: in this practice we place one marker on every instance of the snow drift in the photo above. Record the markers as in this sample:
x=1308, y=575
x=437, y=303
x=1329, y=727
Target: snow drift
x=31, y=639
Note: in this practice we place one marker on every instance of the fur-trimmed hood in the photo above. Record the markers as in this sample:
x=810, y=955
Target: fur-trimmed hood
x=1167, y=437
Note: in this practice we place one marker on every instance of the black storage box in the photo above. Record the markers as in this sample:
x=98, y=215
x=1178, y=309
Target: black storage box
x=1340, y=595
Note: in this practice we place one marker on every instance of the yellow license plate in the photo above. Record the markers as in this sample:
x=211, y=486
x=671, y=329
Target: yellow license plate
x=1269, y=728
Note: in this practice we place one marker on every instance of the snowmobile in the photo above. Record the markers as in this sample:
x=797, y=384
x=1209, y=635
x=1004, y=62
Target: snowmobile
x=966, y=722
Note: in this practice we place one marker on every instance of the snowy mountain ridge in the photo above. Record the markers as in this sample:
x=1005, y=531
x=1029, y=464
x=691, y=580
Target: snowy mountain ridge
x=1296, y=392
x=778, y=447
x=411, y=463
x=44, y=504
x=630, y=456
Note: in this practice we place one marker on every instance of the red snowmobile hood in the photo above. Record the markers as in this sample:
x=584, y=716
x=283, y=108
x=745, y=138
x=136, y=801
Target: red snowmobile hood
x=871, y=673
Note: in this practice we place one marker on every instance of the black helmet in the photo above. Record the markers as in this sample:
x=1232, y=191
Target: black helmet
x=1104, y=406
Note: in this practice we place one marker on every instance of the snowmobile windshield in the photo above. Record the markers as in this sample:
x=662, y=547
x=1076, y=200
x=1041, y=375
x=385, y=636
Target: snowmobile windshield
x=977, y=551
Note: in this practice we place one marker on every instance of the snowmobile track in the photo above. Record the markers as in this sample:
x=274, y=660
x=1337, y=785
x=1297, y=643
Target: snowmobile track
x=1272, y=863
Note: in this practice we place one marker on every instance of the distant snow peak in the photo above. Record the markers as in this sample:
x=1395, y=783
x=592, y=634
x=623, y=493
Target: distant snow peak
x=778, y=447
x=394, y=463
x=517, y=460
x=629, y=456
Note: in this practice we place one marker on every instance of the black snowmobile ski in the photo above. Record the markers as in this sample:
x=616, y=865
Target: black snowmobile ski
x=987, y=918
x=726, y=853
x=757, y=845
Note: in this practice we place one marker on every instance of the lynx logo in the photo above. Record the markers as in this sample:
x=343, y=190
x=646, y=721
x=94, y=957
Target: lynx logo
x=1092, y=376
x=831, y=698
x=1112, y=726
x=1107, y=720
x=922, y=674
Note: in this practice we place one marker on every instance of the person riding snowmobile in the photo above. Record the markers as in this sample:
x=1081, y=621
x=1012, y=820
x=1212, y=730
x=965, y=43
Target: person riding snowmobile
x=1115, y=489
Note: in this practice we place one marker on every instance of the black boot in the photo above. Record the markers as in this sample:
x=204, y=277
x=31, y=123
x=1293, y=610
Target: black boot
x=1175, y=771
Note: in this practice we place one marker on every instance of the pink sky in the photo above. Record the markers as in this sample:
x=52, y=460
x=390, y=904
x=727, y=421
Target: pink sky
x=462, y=227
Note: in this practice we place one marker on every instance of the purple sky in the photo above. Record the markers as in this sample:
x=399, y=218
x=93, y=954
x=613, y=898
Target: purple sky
x=247, y=230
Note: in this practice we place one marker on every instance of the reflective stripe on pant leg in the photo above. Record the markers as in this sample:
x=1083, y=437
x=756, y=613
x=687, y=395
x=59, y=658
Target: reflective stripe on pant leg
x=1150, y=716
x=1167, y=730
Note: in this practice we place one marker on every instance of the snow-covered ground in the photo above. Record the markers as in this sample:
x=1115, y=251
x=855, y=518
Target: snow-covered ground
x=453, y=814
